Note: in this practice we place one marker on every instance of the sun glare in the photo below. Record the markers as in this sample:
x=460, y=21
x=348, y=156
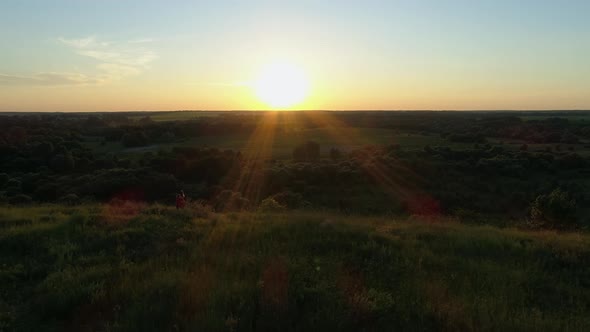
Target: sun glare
x=281, y=85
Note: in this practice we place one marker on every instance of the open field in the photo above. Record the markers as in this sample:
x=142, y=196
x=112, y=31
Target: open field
x=189, y=115
x=283, y=143
x=174, y=115
x=344, y=138
x=138, y=267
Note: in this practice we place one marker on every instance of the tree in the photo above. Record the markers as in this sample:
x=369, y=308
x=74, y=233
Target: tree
x=70, y=199
x=43, y=149
x=228, y=200
x=3, y=179
x=555, y=210
x=289, y=199
x=20, y=199
x=134, y=139
x=270, y=205
x=308, y=151
x=335, y=154
x=569, y=138
x=63, y=162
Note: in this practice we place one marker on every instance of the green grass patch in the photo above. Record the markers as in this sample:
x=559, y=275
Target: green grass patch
x=156, y=268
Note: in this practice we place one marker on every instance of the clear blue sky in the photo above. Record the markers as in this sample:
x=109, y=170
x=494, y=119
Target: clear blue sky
x=135, y=55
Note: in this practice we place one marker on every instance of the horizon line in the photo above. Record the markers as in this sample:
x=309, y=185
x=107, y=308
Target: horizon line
x=311, y=110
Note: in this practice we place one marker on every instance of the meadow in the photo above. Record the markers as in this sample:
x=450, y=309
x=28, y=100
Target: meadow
x=142, y=267
x=346, y=138
x=285, y=141
x=173, y=115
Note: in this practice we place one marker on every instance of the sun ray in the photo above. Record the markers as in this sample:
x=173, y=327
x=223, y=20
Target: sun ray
x=257, y=151
x=398, y=187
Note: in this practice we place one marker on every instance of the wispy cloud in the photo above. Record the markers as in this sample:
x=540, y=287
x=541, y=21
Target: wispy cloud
x=227, y=84
x=133, y=57
x=49, y=79
x=115, y=72
x=115, y=61
x=87, y=42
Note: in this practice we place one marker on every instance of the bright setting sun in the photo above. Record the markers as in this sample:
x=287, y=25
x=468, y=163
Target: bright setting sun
x=281, y=85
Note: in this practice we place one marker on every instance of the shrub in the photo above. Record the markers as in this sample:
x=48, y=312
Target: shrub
x=270, y=205
x=555, y=210
x=289, y=199
x=70, y=199
x=13, y=183
x=335, y=154
x=3, y=179
x=228, y=200
x=134, y=139
x=199, y=209
x=63, y=162
x=308, y=151
x=155, y=210
x=20, y=199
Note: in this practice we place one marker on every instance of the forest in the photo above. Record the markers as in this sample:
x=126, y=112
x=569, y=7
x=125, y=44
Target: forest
x=504, y=168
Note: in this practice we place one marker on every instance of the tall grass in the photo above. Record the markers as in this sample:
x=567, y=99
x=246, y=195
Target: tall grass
x=154, y=268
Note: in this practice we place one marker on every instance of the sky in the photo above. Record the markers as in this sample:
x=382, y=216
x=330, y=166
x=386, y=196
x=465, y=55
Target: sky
x=121, y=55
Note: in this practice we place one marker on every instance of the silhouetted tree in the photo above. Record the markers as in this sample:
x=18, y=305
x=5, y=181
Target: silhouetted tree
x=555, y=210
x=308, y=151
x=335, y=154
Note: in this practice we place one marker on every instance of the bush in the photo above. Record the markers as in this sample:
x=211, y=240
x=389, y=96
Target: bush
x=3, y=179
x=63, y=162
x=270, y=205
x=289, y=199
x=70, y=199
x=335, y=154
x=555, y=210
x=134, y=139
x=199, y=209
x=228, y=200
x=308, y=151
x=20, y=199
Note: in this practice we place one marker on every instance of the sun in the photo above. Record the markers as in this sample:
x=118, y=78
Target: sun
x=281, y=85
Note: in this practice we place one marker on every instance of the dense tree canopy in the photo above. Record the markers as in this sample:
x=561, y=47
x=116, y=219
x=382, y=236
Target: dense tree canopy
x=70, y=158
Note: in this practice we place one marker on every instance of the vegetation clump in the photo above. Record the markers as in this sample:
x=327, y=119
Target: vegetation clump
x=270, y=205
x=554, y=210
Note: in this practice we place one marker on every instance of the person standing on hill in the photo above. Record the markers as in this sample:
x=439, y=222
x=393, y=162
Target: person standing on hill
x=180, y=200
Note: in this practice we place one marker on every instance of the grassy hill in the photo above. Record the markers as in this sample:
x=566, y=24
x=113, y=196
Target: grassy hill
x=152, y=268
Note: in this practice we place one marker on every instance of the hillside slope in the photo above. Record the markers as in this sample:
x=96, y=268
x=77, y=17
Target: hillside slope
x=152, y=268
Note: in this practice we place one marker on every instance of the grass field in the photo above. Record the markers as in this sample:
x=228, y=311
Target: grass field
x=188, y=115
x=152, y=268
x=174, y=115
